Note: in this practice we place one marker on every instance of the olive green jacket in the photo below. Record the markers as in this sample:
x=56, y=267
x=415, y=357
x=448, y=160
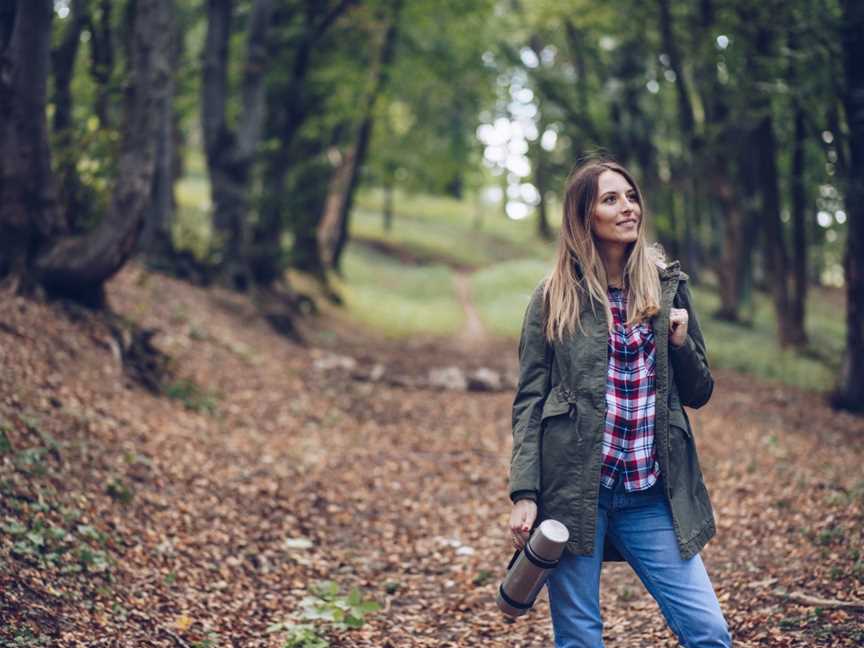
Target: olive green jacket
x=559, y=415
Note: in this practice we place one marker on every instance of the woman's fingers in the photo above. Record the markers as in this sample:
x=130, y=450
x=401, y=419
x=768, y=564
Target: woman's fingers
x=678, y=319
x=678, y=316
x=521, y=520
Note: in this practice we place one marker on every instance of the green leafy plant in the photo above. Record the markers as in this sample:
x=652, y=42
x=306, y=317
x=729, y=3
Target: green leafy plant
x=119, y=491
x=210, y=641
x=191, y=395
x=326, y=607
x=44, y=545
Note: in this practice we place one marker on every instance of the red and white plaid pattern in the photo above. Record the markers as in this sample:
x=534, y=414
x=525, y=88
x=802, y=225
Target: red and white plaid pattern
x=628, y=440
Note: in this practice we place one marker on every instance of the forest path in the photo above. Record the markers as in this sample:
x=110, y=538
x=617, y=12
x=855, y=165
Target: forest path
x=473, y=333
x=216, y=510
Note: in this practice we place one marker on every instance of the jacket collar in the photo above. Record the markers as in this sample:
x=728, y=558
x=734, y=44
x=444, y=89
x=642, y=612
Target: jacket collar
x=672, y=271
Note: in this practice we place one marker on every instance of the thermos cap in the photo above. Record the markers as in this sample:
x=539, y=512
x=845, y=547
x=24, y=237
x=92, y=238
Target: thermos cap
x=549, y=539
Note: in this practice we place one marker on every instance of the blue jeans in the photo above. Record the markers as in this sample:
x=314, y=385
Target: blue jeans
x=640, y=526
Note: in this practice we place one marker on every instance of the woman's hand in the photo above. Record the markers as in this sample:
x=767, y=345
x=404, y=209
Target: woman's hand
x=678, y=319
x=521, y=520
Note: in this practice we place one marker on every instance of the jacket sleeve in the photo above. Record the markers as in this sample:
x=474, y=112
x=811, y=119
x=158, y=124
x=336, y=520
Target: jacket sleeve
x=690, y=360
x=531, y=392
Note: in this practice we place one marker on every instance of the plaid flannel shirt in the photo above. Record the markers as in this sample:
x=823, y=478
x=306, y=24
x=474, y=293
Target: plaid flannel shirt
x=629, y=452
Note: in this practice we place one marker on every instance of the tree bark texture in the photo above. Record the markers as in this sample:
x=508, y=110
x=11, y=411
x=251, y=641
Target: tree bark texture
x=29, y=212
x=337, y=193
x=78, y=266
x=63, y=63
x=850, y=394
x=231, y=154
x=157, y=240
x=102, y=61
x=776, y=256
x=798, y=296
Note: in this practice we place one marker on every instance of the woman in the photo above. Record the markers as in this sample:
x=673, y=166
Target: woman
x=610, y=353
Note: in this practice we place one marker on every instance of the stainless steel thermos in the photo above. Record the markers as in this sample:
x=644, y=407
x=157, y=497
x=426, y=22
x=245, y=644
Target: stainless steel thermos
x=528, y=572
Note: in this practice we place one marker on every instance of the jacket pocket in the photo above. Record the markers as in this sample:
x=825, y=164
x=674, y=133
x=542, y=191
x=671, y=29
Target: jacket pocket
x=678, y=419
x=556, y=404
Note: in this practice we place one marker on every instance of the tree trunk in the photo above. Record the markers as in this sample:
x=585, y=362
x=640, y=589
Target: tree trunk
x=798, y=298
x=29, y=212
x=309, y=188
x=63, y=64
x=283, y=123
x=694, y=149
x=379, y=81
x=337, y=193
x=77, y=267
x=776, y=257
x=850, y=393
x=685, y=105
x=540, y=164
x=729, y=268
x=230, y=155
x=102, y=62
x=157, y=240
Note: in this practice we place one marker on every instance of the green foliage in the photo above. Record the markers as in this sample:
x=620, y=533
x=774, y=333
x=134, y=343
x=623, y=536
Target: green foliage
x=343, y=612
x=26, y=638
x=481, y=578
x=31, y=461
x=43, y=545
x=424, y=134
x=212, y=640
x=326, y=607
x=119, y=491
x=191, y=395
x=304, y=635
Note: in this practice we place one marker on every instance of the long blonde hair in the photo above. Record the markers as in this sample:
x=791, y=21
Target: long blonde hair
x=579, y=272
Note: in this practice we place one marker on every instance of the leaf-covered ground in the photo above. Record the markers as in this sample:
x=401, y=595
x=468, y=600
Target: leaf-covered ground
x=128, y=519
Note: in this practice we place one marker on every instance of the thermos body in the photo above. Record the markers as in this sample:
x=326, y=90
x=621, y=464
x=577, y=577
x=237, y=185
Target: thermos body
x=529, y=571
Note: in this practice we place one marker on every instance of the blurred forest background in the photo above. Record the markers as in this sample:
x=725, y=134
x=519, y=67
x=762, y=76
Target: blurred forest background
x=235, y=141
x=389, y=173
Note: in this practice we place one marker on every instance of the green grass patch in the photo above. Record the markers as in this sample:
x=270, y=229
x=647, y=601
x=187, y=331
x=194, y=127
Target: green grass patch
x=501, y=293
x=192, y=228
x=399, y=300
x=449, y=229
x=193, y=396
x=753, y=348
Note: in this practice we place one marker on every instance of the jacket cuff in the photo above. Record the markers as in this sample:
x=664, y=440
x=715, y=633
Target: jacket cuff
x=684, y=356
x=515, y=496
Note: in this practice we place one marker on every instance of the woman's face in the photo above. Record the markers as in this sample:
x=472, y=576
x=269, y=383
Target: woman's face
x=617, y=214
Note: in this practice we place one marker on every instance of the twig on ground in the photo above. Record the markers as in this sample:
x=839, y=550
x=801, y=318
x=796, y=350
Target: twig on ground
x=806, y=599
x=177, y=639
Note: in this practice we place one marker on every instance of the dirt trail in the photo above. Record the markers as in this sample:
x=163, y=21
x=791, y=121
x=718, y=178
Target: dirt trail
x=202, y=504
x=474, y=332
